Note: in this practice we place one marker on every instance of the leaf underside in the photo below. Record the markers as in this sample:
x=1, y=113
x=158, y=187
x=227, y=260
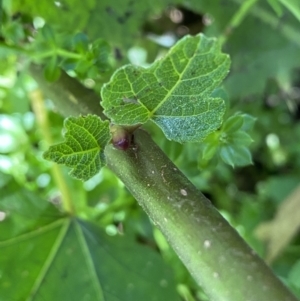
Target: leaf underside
x=85, y=139
x=174, y=92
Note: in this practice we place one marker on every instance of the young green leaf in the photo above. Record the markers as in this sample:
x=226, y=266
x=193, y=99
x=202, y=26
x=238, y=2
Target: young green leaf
x=85, y=139
x=230, y=143
x=233, y=123
x=235, y=155
x=174, y=92
x=80, y=43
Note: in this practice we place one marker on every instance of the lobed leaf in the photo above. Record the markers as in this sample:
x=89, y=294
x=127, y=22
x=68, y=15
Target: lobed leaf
x=174, y=92
x=85, y=139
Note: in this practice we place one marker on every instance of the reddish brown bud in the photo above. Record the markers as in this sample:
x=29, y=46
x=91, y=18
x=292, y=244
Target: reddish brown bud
x=122, y=143
x=120, y=137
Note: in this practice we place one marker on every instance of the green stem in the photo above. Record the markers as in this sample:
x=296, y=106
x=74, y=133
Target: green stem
x=237, y=19
x=265, y=16
x=69, y=96
x=43, y=123
x=57, y=52
x=1, y=12
x=14, y=48
x=216, y=256
x=37, y=56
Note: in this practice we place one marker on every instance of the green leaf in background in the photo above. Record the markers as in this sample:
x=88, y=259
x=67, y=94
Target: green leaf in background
x=51, y=70
x=230, y=144
x=86, y=262
x=235, y=155
x=48, y=34
x=24, y=209
x=233, y=123
x=86, y=137
x=174, y=92
x=276, y=7
x=80, y=43
x=125, y=18
x=95, y=57
x=280, y=231
x=256, y=59
x=293, y=278
x=293, y=6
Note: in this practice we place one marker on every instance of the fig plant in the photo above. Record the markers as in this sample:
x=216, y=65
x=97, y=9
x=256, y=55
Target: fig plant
x=82, y=236
x=176, y=93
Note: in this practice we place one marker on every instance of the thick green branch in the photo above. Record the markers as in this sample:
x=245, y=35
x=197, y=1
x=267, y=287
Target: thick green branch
x=216, y=256
x=68, y=95
x=42, y=118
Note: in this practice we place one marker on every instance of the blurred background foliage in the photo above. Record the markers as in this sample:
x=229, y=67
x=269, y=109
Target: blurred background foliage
x=260, y=196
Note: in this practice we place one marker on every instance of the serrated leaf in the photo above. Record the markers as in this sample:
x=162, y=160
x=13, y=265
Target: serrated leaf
x=209, y=151
x=101, y=52
x=86, y=137
x=240, y=138
x=248, y=122
x=232, y=124
x=80, y=43
x=83, y=66
x=235, y=155
x=48, y=33
x=174, y=92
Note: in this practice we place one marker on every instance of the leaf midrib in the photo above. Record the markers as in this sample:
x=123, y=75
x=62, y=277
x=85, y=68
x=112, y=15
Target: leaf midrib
x=89, y=262
x=179, y=80
x=50, y=258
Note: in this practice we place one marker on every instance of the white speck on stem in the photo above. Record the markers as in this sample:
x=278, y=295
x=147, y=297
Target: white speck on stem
x=183, y=192
x=265, y=287
x=152, y=171
x=207, y=244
